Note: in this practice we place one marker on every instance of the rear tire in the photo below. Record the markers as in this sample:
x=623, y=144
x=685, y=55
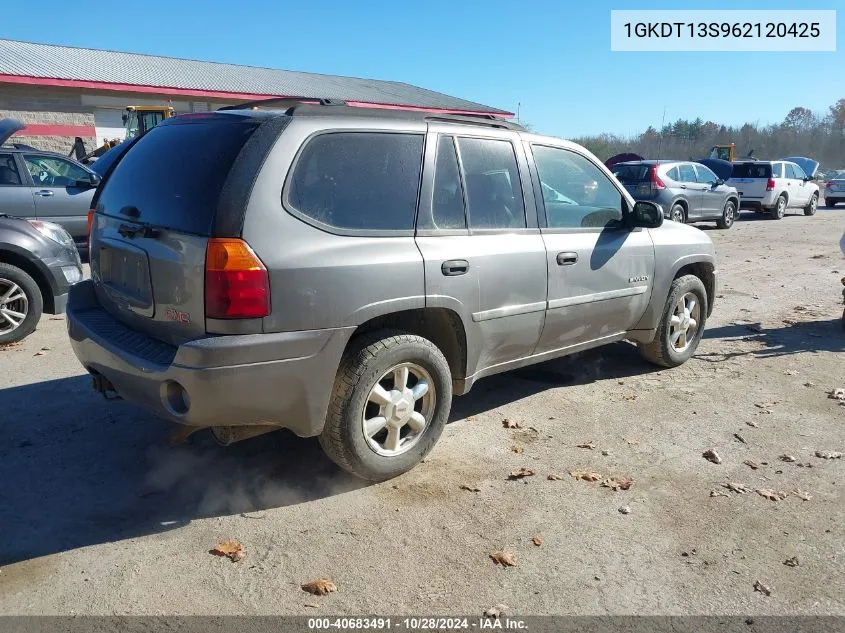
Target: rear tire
x=364, y=432
x=678, y=214
x=779, y=209
x=666, y=350
x=810, y=209
x=728, y=215
x=21, y=304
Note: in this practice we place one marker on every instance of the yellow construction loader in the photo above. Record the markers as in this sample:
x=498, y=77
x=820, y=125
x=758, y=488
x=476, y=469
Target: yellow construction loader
x=138, y=120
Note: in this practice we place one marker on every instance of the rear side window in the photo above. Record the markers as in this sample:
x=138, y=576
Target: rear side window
x=447, y=204
x=493, y=187
x=172, y=176
x=674, y=174
x=687, y=173
x=633, y=173
x=752, y=170
x=359, y=180
x=9, y=174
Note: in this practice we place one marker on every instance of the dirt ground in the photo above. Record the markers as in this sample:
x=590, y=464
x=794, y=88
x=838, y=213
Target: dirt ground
x=100, y=516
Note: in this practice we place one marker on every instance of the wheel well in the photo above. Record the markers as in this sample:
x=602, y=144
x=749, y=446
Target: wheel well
x=441, y=326
x=705, y=272
x=735, y=201
x=19, y=261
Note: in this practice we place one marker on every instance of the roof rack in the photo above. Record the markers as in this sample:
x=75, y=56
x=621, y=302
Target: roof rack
x=310, y=106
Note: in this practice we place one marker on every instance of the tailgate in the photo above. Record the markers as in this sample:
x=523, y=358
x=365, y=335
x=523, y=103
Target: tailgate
x=154, y=215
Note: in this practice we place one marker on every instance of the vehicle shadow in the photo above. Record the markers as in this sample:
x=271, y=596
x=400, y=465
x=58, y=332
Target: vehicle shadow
x=794, y=337
x=78, y=471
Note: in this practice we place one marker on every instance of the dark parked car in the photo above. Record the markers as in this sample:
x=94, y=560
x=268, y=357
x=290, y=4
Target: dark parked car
x=44, y=185
x=38, y=264
x=686, y=191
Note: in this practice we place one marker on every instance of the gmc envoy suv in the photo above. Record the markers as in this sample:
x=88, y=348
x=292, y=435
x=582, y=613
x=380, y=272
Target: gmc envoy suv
x=342, y=272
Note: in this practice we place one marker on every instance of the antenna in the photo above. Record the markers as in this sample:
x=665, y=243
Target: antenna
x=660, y=140
x=518, y=107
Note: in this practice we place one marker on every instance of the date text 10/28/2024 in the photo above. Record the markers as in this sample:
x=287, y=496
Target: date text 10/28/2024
x=417, y=624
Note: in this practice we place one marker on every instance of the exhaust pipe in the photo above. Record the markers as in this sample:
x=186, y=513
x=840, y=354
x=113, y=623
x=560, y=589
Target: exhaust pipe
x=227, y=435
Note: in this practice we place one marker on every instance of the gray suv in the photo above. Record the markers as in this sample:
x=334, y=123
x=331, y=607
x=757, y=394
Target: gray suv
x=686, y=191
x=342, y=272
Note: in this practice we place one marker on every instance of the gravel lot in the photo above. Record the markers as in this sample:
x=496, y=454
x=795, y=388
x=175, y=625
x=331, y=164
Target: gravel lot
x=99, y=515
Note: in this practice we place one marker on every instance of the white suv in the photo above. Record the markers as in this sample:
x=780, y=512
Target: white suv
x=774, y=186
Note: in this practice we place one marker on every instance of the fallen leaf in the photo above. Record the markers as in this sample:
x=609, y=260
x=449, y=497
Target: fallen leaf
x=764, y=405
x=312, y=605
x=806, y=496
x=618, y=483
x=505, y=559
x=511, y=424
x=791, y=372
x=537, y=541
x=625, y=510
x=591, y=445
x=632, y=442
x=786, y=458
x=771, y=495
x=522, y=472
x=740, y=438
x=469, y=488
x=232, y=549
x=586, y=475
x=319, y=587
x=554, y=477
x=718, y=493
x=631, y=396
x=517, y=449
x=837, y=394
x=752, y=423
x=605, y=452
x=759, y=586
x=45, y=349
x=712, y=456
x=791, y=562
x=828, y=454
x=40, y=353
x=495, y=612
x=740, y=489
x=751, y=464
x=9, y=346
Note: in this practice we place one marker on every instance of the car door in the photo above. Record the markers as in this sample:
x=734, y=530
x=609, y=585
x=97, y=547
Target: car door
x=484, y=255
x=713, y=196
x=692, y=189
x=62, y=191
x=600, y=272
x=15, y=196
x=798, y=189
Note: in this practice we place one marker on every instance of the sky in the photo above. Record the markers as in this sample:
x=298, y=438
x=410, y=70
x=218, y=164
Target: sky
x=552, y=57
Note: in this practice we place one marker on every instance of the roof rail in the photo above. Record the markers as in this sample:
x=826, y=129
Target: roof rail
x=476, y=119
x=282, y=103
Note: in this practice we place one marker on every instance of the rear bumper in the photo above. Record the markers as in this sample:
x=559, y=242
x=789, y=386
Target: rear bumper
x=766, y=202
x=283, y=379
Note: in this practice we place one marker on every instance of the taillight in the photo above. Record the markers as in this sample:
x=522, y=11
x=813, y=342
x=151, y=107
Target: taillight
x=770, y=186
x=90, y=224
x=829, y=185
x=236, y=282
x=656, y=183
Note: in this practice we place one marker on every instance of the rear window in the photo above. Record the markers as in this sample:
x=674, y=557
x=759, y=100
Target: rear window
x=173, y=175
x=359, y=181
x=631, y=173
x=752, y=170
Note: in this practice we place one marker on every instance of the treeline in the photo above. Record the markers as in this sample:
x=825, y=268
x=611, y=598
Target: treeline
x=801, y=133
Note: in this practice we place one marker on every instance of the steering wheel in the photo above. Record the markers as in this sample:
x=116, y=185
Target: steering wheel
x=44, y=177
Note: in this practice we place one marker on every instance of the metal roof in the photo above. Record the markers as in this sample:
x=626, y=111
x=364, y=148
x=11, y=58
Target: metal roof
x=47, y=61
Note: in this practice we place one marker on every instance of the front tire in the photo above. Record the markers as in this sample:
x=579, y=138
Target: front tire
x=728, y=215
x=779, y=209
x=810, y=209
x=390, y=403
x=681, y=325
x=21, y=304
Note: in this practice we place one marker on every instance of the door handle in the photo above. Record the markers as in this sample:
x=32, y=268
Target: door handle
x=566, y=259
x=683, y=186
x=455, y=267
x=44, y=193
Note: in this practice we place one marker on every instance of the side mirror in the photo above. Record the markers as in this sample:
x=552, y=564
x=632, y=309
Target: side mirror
x=86, y=183
x=647, y=215
x=719, y=182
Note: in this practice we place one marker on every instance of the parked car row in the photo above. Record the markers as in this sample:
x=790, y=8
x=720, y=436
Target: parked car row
x=691, y=191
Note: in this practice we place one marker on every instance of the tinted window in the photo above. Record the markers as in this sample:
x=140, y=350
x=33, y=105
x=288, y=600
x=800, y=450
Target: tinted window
x=47, y=171
x=494, y=192
x=633, y=173
x=777, y=170
x=447, y=204
x=173, y=174
x=705, y=175
x=687, y=173
x=359, y=180
x=752, y=170
x=673, y=174
x=9, y=174
x=576, y=193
